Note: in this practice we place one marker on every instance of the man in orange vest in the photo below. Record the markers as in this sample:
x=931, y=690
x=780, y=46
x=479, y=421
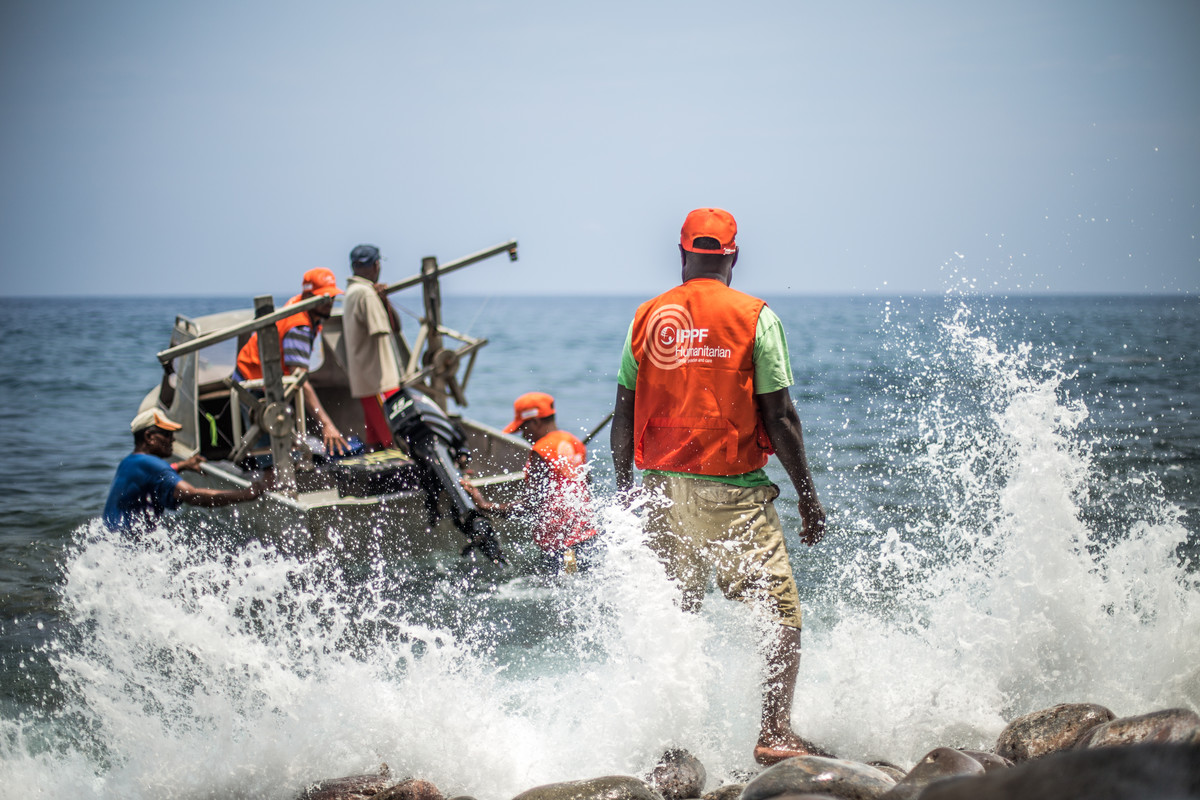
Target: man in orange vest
x=297, y=334
x=556, y=496
x=702, y=399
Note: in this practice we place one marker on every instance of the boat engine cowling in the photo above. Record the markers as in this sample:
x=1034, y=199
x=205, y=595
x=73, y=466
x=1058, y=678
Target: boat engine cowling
x=437, y=444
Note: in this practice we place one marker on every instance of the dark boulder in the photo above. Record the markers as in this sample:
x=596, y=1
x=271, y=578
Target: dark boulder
x=1139, y=772
x=730, y=791
x=818, y=775
x=935, y=765
x=1171, y=726
x=611, y=787
x=411, y=789
x=678, y=775
x=989, y=761
x=351, y=787
x=893, y=771
x=1049, y=730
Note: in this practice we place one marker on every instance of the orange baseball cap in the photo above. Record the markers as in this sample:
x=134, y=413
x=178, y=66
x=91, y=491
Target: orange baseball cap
x=715, y=223
x=320, y=280
x=531, y=405
x=153, y=418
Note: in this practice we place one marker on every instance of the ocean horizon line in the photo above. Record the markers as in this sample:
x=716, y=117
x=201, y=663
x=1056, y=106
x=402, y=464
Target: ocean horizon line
x=923, y=294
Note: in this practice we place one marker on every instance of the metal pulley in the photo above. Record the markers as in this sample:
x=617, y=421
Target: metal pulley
x=279, y=418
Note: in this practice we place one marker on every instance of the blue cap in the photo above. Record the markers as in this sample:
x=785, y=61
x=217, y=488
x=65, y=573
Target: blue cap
x=364, y=255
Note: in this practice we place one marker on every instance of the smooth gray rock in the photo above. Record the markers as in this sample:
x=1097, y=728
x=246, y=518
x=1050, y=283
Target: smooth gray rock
x=818, y=775
x=351, y=787
x=989, y=761
x=1138, y=772
x=610, y=787
x=678, y=775
x=936, y=765
x=1170, y=726
x=730, y=791
x=1049, y=730
x=411, y=789
x=893, y=771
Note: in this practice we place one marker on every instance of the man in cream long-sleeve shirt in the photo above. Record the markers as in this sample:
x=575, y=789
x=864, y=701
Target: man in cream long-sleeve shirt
x=368, y=324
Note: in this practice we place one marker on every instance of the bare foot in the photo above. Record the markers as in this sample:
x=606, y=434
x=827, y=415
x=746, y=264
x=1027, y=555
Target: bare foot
x=772, y=750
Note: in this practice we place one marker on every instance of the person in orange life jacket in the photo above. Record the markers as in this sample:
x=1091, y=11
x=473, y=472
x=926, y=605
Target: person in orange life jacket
x=555, y=493
x=369, y=328
x=146, y=485
x=702, y=399
x=297, y=334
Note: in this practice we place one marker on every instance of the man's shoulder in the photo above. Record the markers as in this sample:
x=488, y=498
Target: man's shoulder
x=359, y=292
x=560, y=444
x=559, y=435
x=144, y=458
x=142, y=464
x=708, y=284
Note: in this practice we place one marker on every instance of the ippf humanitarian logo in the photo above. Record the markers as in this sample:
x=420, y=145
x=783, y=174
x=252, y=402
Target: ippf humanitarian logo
x=672, y=339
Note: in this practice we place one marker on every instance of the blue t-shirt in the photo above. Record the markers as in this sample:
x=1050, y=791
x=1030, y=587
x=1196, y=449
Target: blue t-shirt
x=144, y=487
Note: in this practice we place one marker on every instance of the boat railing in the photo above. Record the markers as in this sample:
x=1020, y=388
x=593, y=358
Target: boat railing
x=429, y=365
x=251, y=326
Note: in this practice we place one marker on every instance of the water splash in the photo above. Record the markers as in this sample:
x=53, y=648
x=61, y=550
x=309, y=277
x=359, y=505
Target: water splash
x=197, y=672
x=193, y=670
x=997, y=597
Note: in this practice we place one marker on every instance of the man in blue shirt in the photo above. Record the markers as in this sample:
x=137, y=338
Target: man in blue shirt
x=146, y=485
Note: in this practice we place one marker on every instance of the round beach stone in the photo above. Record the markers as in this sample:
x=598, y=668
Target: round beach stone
x=893, y=771
x=1049, y=730
x=1170, y=726
x=678, y=775
x=610, y=787
x=730, y=791
x=411, y=789
x=351, y=787
x=1138, y=772
x=937, y=764
x=989, y=761
x=818, y=775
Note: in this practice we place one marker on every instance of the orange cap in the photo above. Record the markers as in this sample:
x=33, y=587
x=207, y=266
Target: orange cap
x=531, y=405
x=320, y=280
x=153, y=418
x=715, y=223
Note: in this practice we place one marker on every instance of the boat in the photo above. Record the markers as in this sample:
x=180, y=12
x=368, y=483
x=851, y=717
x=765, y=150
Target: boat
x=402, y=502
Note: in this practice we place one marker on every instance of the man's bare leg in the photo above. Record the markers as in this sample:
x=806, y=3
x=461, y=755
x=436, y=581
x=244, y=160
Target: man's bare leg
x=777, y=740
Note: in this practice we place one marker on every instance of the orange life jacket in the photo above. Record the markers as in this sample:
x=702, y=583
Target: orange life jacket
x=694, y=408
x=563, y=519
x=248, y=364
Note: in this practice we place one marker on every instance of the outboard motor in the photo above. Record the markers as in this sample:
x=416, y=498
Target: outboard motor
x=436, y=443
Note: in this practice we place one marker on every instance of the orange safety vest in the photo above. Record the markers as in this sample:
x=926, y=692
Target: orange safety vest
x=564, y=518
x=694, y=408
x=248, y=364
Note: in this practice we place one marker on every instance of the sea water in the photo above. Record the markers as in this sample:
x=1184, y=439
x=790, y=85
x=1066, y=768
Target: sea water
x=1011, y=486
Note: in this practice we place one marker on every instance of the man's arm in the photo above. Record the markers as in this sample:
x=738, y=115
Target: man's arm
x=335, y=443
x=213, y=498
x=621, y=438
x=783, y=427
x=532, y=488
x=393, y=315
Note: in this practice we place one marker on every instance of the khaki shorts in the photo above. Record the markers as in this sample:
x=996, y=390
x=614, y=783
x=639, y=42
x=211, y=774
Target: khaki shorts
x=698, y=526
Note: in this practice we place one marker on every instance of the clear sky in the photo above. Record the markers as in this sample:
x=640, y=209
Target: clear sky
x=864, y=147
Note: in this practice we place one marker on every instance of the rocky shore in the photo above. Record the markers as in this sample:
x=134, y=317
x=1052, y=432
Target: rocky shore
x=1072, y=750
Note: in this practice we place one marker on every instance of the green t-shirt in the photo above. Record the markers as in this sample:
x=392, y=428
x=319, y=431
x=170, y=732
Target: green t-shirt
x=772, y=372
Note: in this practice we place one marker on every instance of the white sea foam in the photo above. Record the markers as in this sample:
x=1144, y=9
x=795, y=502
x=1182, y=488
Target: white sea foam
x=200, y=673
x=1004, y=600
